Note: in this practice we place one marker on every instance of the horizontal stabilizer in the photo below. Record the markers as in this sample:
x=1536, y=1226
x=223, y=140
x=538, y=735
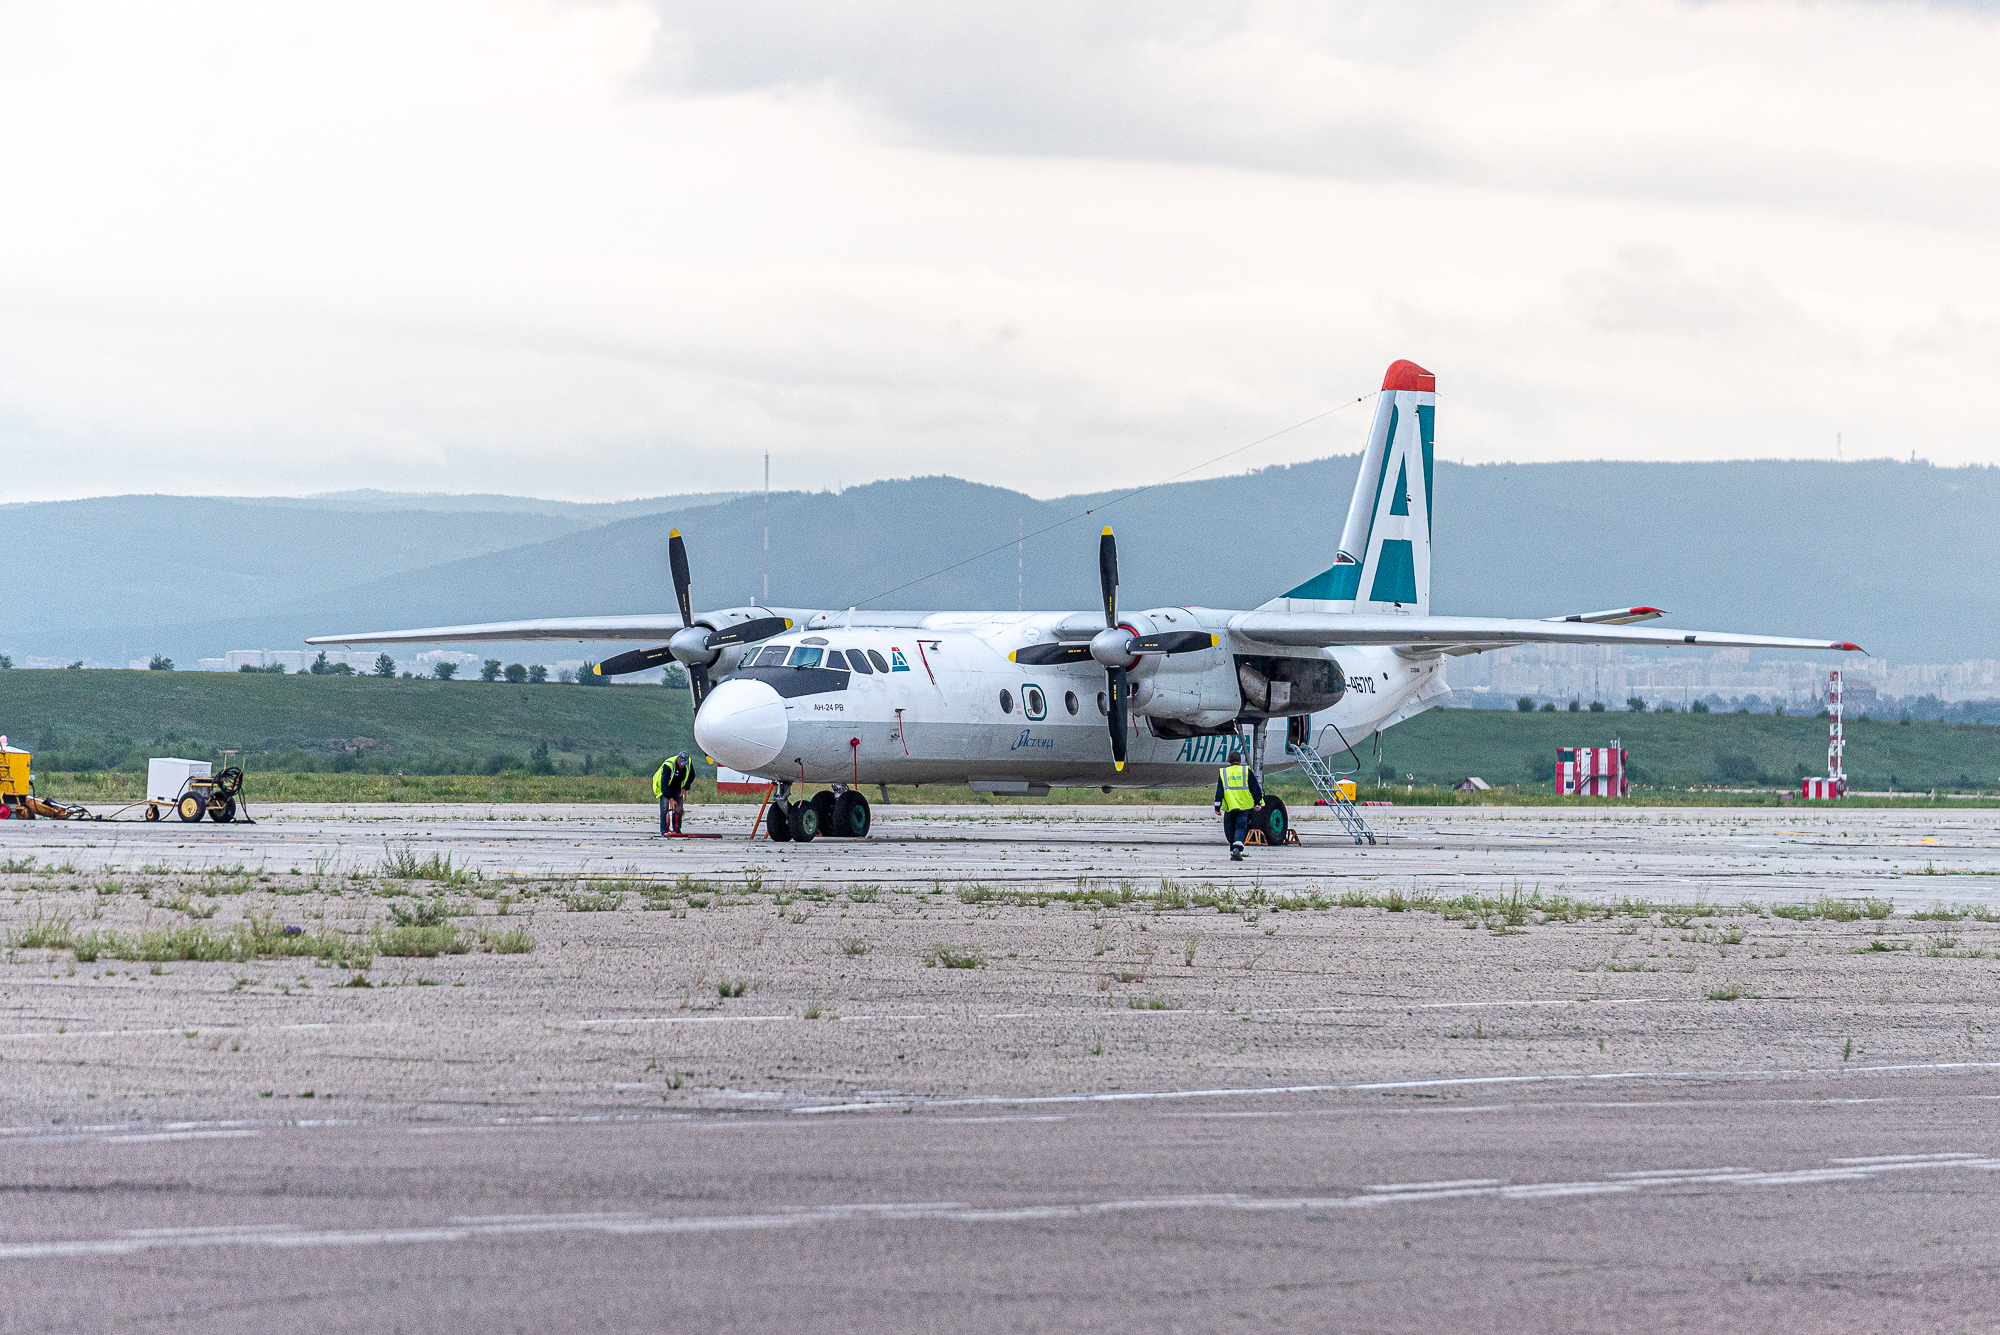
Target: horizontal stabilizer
x=1324, y=630
x=1615, y=616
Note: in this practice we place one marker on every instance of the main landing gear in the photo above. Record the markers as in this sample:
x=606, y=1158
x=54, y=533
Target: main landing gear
x=839, y=813
x=1268, y=820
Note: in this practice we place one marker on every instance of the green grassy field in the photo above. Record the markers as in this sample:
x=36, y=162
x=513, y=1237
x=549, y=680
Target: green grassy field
x=86, y=720
x=343, y=739
x=1683, y=750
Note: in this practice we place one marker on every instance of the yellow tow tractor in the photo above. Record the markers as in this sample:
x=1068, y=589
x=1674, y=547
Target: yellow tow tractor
x=17, y=791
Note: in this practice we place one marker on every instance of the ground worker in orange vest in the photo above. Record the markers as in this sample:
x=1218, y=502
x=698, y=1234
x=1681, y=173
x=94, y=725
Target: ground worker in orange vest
x=671, y=782
x=1236, y=793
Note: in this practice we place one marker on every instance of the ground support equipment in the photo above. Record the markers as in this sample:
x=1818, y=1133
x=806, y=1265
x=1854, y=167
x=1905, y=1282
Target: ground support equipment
x=1327, y=784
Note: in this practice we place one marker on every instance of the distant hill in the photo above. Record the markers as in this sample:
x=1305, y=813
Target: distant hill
x=1891, y=555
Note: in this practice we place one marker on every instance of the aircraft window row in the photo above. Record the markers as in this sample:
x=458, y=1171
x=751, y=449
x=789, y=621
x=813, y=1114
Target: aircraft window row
x=804, y=656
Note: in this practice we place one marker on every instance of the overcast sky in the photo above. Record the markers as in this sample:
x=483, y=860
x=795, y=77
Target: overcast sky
x=599, y=250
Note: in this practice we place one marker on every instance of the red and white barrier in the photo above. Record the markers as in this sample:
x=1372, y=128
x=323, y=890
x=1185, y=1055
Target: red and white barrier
x=1821, y=790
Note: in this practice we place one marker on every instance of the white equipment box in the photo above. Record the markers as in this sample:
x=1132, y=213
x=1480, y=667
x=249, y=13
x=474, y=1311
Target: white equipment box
x=167, y=775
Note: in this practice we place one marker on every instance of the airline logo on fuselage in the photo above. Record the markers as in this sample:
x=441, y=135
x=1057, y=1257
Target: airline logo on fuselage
x=897, y=663
x=1205, y=750
x=1032, y=742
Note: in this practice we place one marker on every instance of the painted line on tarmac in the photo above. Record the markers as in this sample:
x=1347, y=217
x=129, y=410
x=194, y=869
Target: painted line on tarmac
x=1440, y=1082
x=634, y=1224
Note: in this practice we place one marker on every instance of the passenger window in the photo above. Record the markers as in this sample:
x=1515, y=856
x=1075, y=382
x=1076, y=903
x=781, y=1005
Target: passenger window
x=1006, y=701
x=858, y=661
x=805, y=657
x=1070, y=702
x=881, y=663
x=1031, y=700
x=773, y=655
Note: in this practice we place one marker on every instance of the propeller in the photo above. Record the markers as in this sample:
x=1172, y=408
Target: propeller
x=694, y=646
x=1117, y=648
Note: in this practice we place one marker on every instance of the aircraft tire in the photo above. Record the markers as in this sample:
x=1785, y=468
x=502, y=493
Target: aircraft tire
x=805, y=823
x=778, y=825
x=1273, y=820
x=822, y=805
x=851, y=816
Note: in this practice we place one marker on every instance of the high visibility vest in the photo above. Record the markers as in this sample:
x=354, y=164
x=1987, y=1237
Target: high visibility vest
x=1236, y=788
x=659, y=788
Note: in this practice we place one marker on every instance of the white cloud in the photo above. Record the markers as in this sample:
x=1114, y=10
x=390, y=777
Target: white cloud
x=612, y=249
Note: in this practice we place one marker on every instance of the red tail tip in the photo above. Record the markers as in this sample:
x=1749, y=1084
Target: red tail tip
x=1649, y=611
x=1409, y=375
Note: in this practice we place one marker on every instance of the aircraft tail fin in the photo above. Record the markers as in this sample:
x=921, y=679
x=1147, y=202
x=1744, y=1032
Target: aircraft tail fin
x=1383, y=563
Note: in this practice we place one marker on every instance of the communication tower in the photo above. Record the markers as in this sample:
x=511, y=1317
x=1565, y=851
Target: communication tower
x=1836, y=745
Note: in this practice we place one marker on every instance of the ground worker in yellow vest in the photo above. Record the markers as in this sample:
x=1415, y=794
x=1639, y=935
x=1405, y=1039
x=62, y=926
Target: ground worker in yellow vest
x=1236, y=792
x=671, y=782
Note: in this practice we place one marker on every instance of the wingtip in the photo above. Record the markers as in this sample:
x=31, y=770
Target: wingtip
x=1847, y=646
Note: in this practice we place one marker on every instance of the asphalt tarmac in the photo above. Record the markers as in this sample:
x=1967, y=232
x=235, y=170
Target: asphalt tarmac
x=1155, y=1114
x=1753, y=1202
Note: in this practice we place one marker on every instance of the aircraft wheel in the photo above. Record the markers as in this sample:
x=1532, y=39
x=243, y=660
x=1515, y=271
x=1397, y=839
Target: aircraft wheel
x=191, y=808
x=778, y=825
x=822, y=805
x=851, y=816
x=222, y=810
x=1273, y=820
x=805, y=823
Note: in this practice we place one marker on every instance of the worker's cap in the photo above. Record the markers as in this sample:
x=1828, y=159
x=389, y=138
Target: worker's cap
x=682, y=756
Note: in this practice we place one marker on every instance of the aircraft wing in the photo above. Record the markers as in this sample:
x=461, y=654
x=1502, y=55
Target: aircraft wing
x=1471, y=634
x=655, y=627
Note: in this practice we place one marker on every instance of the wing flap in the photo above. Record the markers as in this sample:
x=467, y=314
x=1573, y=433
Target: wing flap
x=1469, y=634
x=652, y=626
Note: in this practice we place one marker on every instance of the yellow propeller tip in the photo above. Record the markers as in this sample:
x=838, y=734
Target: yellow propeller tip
x=1107, y=530
x=1118, y=765
x=596, y=670
x=673, y=533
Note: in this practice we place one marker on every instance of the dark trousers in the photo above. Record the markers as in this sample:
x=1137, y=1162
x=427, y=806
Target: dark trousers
x=670, y=813
x=1238, y=825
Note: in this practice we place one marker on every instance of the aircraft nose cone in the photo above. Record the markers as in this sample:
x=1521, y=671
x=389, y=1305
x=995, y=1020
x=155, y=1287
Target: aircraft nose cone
x=742, y=724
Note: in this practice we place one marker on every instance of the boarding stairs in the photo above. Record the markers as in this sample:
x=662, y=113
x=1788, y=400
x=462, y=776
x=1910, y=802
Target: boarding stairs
x=1327, y=783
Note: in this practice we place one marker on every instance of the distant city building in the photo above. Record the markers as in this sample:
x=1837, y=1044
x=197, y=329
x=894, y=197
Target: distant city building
x=1613, y=674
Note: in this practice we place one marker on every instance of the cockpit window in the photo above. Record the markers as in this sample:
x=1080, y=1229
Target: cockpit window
x=836, y=660
x=804, y=656
x=773, y=655
x=858, y=661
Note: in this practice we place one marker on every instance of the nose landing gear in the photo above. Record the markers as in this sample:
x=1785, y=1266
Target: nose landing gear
x=842, y=813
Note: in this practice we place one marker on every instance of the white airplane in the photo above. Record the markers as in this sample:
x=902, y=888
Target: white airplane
x=1021, y=703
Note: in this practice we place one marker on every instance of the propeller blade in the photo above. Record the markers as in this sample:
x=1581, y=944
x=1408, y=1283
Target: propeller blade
x=677, y=558
x=1176, y=642
x=1117, y=717
x=1107, y=574
x=763, y=628
x=1044, y=655
x=633, y=660
x=697, y=684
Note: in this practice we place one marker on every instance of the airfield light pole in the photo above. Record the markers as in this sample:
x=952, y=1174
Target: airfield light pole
x=1836, y=745
x=767, y=528
x=1020, y=563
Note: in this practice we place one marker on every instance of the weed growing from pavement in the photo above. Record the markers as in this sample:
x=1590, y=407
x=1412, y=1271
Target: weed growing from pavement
x=1835, y=910
x=602, y=902
x=737, y=988
x=1727, y=992
x=953, y=957
x=855, y=945
x=403, y=864
x=52, y=933
x=1189, y=946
